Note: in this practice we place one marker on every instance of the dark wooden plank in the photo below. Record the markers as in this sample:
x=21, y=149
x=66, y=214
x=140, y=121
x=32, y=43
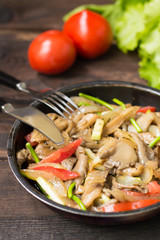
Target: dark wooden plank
x=64, y=229
x=37, y=15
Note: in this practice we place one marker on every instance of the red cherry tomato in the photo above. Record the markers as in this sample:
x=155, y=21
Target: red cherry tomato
x=90, y=32
x=51, y=52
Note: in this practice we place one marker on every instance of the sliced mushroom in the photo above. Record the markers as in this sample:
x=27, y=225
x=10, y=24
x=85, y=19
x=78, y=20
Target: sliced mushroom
x=93, y=186
x=37, y=137
x=133, y=171
x=108, y=148
x=63, y=124
x=81, y=166
x=142, y=154
x=22, y=156
x=118, y=120
x=123, y=157
x=69, y=163
x=123, y=135
x=86, y=121
x=146, y=137
x=42, y=151
x=142, y=188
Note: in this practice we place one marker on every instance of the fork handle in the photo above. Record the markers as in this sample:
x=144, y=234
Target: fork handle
x=2, y=102
x=13, y=82
x=9, y=80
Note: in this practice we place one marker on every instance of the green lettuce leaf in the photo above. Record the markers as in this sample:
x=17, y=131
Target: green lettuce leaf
x=149, y=51
x=130, y=28
x=150, y=72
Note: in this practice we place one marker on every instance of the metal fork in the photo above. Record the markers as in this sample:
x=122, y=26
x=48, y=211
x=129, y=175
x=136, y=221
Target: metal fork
x=56, y=100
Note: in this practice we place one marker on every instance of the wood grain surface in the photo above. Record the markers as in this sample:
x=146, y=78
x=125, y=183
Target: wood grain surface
x=21, y=215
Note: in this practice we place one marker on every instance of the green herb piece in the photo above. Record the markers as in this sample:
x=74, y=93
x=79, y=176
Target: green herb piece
x=119, y=103
x=34, y=155
x=135, y=125
x=96, y=100
x=157, y=139
x=70, y=189
x=74, y=197
x=79, y=202
x=83, y=103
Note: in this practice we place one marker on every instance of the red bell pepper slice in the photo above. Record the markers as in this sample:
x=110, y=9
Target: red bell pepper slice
x=62, y=173
x=146, y=108
x=63, y=153
x=28, y=139
x=153, y=187
x=126, y=206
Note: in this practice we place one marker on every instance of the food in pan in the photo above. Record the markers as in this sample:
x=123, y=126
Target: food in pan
x=109, y=161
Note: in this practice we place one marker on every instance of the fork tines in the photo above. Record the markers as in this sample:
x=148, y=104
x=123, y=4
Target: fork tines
x=60, y=103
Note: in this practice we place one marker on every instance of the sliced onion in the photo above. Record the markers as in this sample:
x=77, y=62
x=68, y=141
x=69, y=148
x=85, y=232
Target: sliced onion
x=94, y=159
x=147, y=174
x=91, y=109
x=154, y=130
x=121, y=195
x=99, y=166
x=129, y=142
x=128, y=180
x=55, y=165
x=108, y=115
x=59, y=186
x=102, y=199
x=34, y=174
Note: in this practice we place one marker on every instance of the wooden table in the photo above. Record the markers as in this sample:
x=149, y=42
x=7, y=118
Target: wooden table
x=21, y=215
